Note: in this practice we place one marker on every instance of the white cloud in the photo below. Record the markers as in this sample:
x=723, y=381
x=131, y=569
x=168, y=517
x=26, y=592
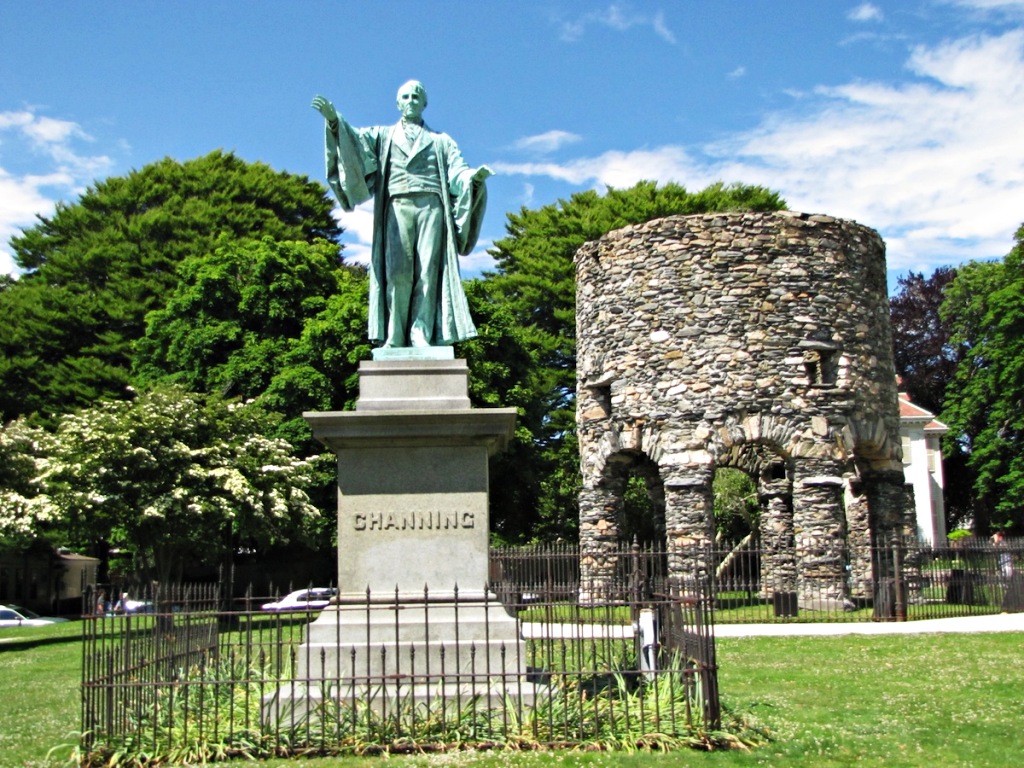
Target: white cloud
x=55, y=139
x=26, y=195
x=20, y=200
x=358, y=235
x=990, y=5
x=661, y=28
x=614, y=168
x=14, y=120
x=935, y=163
x=478, y=260
x=865, y=12
x=619, y=18
x=547, y=142
x=528, y=194
x=737, y=73
x=47, y=131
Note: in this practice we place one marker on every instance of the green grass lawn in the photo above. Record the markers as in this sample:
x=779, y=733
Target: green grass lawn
x=901, y=700
x=40, y=670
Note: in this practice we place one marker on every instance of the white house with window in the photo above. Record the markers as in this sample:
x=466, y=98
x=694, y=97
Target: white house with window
x=921, y=434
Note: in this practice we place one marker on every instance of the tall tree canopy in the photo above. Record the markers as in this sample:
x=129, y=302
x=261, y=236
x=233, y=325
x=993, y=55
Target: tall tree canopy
x=984, y=308
x=924, y=355
x=535, y=284
x=237, y=315
x=277, y=321
x=97, y=266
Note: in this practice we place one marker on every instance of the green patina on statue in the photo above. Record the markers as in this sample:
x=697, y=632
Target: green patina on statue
x=429, y=209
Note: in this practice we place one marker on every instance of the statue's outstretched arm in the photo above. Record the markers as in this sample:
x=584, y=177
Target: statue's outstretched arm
x=325, y=108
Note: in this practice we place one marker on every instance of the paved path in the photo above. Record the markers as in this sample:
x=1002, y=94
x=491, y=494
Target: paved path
x=538, y=630
x=1005, y=622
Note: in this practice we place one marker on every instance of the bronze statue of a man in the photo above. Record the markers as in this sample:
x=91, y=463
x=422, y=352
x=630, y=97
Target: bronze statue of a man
x=428, y=211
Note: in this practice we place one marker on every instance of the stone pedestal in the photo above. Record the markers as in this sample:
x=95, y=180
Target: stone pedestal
x=413, y=480
x=413, y=618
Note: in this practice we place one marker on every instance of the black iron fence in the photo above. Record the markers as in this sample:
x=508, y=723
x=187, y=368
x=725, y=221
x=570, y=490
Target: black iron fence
x=900, y=580
x=544, y=654
x=183, y=678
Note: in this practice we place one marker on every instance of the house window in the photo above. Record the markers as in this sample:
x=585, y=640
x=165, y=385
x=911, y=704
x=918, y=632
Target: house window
x=905, y=442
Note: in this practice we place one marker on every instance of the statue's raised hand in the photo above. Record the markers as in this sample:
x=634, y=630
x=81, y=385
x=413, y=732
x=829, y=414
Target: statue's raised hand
x=325, y=108
x=482, y=173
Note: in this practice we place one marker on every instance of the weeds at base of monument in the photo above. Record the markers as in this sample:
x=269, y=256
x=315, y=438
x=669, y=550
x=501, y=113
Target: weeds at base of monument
x=208, y=715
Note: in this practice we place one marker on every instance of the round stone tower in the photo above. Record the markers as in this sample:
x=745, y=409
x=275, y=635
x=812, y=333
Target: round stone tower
x=759, y=341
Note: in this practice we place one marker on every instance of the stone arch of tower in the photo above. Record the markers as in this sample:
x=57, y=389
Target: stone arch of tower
x=765, y=447
x=754, y=340
x=618, y=468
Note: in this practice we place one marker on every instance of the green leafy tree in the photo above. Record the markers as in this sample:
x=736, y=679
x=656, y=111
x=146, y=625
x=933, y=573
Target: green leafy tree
x=321, y=370
x=171, y=476
x=321, y=373
x=94, y=269
x=736, y=507
x=282, y=322
x=237, y=315
x=502, y=374
x=535, y=282
x=984, y=307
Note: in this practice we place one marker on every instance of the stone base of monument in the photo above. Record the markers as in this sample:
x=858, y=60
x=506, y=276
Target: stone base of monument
x=407, y=658
x=412, y=523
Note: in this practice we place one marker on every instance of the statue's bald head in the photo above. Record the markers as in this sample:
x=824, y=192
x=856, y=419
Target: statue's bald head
x=413, y=85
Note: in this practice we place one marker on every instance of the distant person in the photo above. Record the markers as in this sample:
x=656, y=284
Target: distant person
x=1013, y=596
x=1003, y=554
x=428, y=211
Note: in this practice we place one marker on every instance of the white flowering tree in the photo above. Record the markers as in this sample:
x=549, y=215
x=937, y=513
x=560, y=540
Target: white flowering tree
x=24, y=512
x=172, y=475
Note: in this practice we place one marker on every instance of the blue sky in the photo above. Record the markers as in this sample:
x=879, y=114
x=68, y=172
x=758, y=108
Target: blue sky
x=906, y=116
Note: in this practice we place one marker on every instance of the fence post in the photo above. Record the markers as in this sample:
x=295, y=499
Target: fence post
x=549, y=579
x=635, y=592
x=110, y=695
x=901, y=598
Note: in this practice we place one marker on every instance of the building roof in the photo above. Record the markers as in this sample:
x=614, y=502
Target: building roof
x=914, y=413
x=70, y=556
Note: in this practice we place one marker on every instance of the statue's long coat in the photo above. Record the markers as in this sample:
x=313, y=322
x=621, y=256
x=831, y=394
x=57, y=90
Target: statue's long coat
x=358, y=164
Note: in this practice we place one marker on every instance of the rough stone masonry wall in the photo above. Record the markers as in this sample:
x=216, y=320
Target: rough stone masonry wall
x=739, y=339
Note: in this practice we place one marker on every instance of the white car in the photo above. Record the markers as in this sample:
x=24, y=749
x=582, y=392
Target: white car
x=310, y=599
x=127, y=605
x=16, y=616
